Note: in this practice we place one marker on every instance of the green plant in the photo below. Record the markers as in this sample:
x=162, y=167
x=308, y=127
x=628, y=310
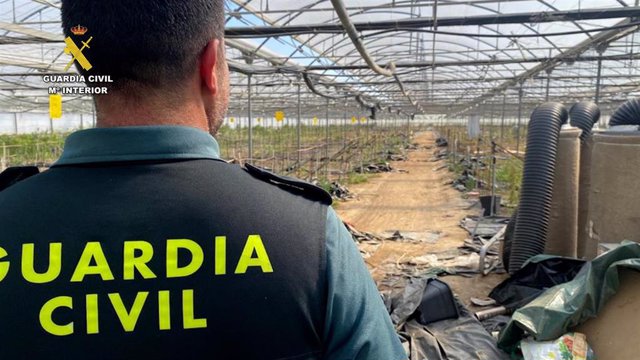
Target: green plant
x=325, y=184
x=470, y=184
x=509, y=175
x=357, y=178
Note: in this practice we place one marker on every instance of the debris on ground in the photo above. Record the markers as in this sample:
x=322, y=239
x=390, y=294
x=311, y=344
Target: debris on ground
x=392, y=155
x=395, y=235
x=374, y=168
x=438, y=168
x=561, y=308
x=340, y=192
x=430, y=237
x=485, y=227
x=411, y=146
x=436, y=340
x=441, y=142
x=467, y=181
x=461, y=263
x=439, y=155
x=571, y=346
x=482, y=242
x=362, y=236
x=539, y=274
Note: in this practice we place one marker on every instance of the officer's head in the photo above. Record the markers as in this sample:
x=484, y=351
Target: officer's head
x=159, y=53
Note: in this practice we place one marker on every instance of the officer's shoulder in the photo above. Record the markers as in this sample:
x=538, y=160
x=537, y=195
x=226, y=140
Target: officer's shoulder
x=289, y=184
x=13, y=175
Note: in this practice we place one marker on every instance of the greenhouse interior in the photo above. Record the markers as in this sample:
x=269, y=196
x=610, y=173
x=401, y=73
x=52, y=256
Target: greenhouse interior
x=483, y=154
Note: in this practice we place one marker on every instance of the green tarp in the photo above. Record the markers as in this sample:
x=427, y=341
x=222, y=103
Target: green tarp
x=564, y=306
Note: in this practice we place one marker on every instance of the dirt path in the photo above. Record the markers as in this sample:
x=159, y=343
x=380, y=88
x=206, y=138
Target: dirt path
x=415, y=201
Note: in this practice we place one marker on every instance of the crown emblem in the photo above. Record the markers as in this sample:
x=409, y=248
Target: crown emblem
x=79, y=30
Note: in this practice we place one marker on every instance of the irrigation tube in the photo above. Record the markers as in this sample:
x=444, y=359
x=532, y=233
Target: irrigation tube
x=312, y=87
x=361, y=101
x=404, y=92
x=353, y=34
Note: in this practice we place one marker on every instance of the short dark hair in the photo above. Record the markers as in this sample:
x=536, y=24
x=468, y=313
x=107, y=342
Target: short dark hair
x=149, y=43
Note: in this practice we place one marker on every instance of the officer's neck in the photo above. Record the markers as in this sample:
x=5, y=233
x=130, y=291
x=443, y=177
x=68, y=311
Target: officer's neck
x=115, y=110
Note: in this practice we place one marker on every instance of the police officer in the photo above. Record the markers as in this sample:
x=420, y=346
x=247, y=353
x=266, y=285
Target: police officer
x=140, y=243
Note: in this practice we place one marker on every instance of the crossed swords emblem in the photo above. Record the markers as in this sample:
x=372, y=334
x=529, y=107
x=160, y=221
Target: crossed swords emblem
x=76, y=53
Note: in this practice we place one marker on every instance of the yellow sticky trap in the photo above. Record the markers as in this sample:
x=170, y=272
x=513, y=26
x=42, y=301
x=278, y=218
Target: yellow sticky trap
x=55, y=106
x=363, y=120
x=354, y=120
x=232, y=120
x=259, y=119
x=279, y=115
x=315, y=120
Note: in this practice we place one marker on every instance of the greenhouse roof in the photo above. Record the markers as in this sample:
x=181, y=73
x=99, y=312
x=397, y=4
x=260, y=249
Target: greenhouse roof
x=442, y=57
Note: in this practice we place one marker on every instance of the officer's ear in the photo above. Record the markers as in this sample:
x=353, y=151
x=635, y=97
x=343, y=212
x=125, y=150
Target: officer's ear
x=208, y=59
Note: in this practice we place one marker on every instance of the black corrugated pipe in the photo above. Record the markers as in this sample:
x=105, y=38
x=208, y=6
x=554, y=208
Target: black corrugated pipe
x=508, y=240
x=584, y=115
x=627, y=114
x=534, y=210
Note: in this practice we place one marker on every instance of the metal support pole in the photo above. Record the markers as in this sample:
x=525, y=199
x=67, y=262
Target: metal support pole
x=81, y=121
x=493, y=178
x=408, y=127
x=326, y=141
x=598, y=79
x=15, y=122
x=504, y=108
x=520, y=93
x=344, y=125
x=548, y=71
x=492, y=108
x=250, y=118
x=546, y=95
x=299, y=125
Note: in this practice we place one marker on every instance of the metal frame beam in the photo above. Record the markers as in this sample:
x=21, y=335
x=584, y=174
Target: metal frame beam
x=418, y=23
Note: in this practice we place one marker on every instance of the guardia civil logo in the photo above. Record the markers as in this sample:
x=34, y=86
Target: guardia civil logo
x=75, y=51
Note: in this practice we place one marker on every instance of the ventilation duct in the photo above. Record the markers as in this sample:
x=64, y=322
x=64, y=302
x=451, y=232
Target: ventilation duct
x=532, y=221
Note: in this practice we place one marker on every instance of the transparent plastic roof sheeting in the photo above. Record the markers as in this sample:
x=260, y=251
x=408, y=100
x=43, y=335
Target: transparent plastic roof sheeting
x=452, y=57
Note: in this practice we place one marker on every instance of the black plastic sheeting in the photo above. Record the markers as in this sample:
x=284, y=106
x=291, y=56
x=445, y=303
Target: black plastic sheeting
x=534, y=210
x=565, y=306
x=539, y=274
x=463, y=338
x=584, y=115
x=627, y=114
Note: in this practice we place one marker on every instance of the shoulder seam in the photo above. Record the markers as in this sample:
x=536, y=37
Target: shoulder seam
x=292, y=185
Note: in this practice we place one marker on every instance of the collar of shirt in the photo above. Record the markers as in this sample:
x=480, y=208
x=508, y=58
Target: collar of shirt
x=138, y=143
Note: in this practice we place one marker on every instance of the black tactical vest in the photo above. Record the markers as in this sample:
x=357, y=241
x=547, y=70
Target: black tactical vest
x=161, y=260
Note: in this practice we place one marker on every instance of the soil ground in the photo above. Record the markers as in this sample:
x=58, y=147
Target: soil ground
x=418, y=200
